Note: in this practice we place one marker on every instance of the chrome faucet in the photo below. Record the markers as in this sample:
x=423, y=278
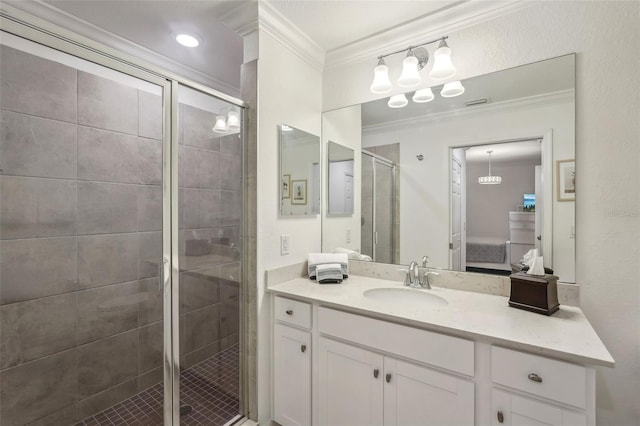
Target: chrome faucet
x=414, y=277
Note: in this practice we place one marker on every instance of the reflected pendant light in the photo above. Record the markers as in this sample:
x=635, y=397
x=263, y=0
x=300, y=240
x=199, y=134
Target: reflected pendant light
x=397, y=101
x=221, y=125
x=423, y=95
x=452, y=89
x=410, y=77
x=442, y=66
x=490, y=180
x=381, y=83
x=233, y=121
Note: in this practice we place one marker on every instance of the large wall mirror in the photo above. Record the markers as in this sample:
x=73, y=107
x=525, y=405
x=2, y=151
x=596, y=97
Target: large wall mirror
x=339, y=179
x=300, y=191
x=421, y=173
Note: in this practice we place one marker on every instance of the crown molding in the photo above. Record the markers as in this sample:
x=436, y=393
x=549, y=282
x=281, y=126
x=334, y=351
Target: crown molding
x=455, y=18
x=562, y=96
x=241, y=16
x=274, y=23
x=67, y=22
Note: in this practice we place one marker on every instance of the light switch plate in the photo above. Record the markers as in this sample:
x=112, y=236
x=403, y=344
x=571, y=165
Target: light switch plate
x=284, y=245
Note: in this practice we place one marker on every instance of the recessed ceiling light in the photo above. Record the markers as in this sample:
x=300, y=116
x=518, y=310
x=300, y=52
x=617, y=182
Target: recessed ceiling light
x=187, y=40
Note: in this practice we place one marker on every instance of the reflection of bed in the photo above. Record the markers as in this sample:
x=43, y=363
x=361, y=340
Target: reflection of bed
x=487, y=253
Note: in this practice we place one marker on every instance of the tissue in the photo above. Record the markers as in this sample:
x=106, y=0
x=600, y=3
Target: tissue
x=529, y=257
x=537, y=266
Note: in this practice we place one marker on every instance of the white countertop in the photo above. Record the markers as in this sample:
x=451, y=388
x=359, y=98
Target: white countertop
x=566, y=334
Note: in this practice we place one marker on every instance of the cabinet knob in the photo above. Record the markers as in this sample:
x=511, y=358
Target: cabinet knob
x=535, y=378
x=303, y=348
x=289, y=312
x=376, y=372
x=388, y=378
x=500, y=417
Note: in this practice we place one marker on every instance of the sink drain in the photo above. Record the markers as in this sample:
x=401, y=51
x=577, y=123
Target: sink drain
x=185, y=409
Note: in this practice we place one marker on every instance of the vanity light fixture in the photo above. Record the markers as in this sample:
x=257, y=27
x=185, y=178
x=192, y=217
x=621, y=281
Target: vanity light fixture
x=416, y=59
x=423, y=95
x=221, y=125
x=452, y=89
x=490, y=180
x=233, y=121
x=397, y=101
x=285, y=128
x=187, y=40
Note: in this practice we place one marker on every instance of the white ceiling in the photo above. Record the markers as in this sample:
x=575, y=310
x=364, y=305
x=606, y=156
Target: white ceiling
x=530, y=151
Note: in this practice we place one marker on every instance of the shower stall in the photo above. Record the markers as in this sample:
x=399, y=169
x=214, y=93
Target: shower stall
x=120, y=241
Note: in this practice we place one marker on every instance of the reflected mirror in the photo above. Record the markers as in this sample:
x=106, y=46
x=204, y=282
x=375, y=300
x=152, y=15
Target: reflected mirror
x=420, y=169
x=300, y=190
x=339, y=179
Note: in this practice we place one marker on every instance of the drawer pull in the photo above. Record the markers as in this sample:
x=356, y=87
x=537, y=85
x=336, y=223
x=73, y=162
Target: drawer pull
x=500, y=417
x=289, y=312
x=535, y=378
x=388, y=378
x=303, y=348
x=375, y=373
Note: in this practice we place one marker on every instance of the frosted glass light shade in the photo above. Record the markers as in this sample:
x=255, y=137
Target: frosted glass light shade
x=233, y=121
x=423, y=95
x=397, y=101
x=452, y=89
x=221, y=124
x=410, y=77
x=187, y=40
x=442, y=66
x=381, y=83
x=490, y=180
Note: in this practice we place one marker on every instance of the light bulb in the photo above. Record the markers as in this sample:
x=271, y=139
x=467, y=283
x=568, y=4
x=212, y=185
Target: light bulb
x=233, y=121
x=423, y=95
x=397, y=101
x=221, y=124
x=410, y=77
x=442, y=66
x=452, y=89
x=187, y=40
x=381, y=83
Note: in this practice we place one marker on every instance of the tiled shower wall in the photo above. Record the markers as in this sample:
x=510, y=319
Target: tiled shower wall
x=80, y=240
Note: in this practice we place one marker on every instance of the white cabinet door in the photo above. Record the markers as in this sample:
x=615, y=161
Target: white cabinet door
x=416, y=395
x=514, y=410
x=349, y=385
x=292, y=376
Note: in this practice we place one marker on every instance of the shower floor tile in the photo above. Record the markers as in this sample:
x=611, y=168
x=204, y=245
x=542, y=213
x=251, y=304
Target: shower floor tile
x=211, y=388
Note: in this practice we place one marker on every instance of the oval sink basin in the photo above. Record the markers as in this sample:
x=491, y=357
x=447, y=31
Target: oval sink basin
x=405, y=298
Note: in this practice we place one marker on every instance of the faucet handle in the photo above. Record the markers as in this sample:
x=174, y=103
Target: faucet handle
x=425, y=260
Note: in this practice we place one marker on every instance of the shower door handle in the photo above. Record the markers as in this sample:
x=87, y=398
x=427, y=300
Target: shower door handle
x=161, y=274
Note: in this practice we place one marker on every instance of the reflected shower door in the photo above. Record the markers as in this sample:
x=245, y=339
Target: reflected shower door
x=81, y=239
x=209, y=248
x=367, y=199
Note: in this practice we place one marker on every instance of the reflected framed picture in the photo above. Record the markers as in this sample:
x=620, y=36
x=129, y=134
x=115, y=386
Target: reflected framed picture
x=299, y=191
x=286, y=186
x=566, y=178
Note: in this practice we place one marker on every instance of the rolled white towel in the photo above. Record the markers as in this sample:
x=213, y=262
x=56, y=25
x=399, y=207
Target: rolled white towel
x=315, y=259
x=353, y=255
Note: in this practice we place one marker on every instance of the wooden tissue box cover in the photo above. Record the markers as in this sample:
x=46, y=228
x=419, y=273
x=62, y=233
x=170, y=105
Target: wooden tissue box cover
x=534, y=293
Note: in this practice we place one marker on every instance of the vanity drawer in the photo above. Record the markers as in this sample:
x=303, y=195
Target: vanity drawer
x=544, y=377
x=293, y=312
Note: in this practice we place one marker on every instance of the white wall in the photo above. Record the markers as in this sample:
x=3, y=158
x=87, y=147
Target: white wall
x=343, y=126
x=289, y=91
x=298, y=159
x=424, y=185
x=606, y=38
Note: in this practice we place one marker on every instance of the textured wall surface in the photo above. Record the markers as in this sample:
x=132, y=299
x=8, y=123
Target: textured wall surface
x=606, y=38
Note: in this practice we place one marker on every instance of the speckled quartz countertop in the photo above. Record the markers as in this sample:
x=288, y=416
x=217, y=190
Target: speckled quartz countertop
x=566, y=334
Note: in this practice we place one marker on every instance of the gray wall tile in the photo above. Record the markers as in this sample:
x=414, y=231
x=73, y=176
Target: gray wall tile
x=68, y=415
x=107, y=207
x=107, y=259
x=37, y=86
x=197, y=125
x=208, y=169
x=107, y=363
x=106, y=311
x=231, y=208
x=189, y=211
x=39, y=388
x=38, y=328
x=34, y=207
x=229, y=317
x=150, y=378
x=149, y=253
x=209, y=208
x=39, y=147
x=107, y=156
x=201, y=327
x=106, y=104
x=231, y=144
x=149, y=208
x=188, y=161
x=150, y=297
x=151, y=347
x=108, y=398
x=149, y=162
x=230, y=172
x=37, y=268
x=150, y=115
x=230, y=281
x=190, y=359
x=199, y=289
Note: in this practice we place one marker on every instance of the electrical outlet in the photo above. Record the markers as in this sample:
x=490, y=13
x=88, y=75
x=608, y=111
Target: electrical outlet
x=572, y=232
x=284, y=245
x=348, y=236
